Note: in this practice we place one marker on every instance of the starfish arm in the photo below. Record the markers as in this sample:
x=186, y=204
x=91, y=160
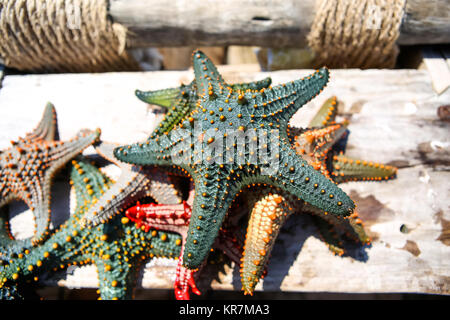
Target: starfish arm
x=313, y=145
x=11, y=292
x=230, y=245
x=163, y=98
x=40, y=190
x=155, y=182
x=178, y=110
x=269, y=212
x=160, y=186
x=209, y=81
x=61, y=152
x=117, y=286
x=129, y=188
x=329, y=235
x=356, y=229
x=256, y=85
x=348, y=169
x=351, y=227
x=50, y=255
x=282, y=101
x=152, y=152
x=174, y=217
x=180, y=104
x=88, y=182
x=326, y=114
x=211, y=202
x=300, y=179
x=123, y=193
x=184, y=281
x=47, y=128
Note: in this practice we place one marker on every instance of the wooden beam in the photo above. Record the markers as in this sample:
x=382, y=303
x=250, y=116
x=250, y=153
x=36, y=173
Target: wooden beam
x=393, y=120
x=274, y=23
x=425, y=22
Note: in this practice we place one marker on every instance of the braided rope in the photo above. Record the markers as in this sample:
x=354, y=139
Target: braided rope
x=62, y=36
x=356, y=33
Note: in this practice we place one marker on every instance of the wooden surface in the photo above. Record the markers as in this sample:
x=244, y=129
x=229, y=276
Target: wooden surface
x=393, y=119
x=274, y=23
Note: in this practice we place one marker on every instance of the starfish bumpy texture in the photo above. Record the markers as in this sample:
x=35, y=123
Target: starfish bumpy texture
x=27, y=169
x=218, y=111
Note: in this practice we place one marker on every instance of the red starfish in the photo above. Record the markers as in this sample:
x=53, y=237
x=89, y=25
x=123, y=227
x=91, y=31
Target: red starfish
x=176, y=218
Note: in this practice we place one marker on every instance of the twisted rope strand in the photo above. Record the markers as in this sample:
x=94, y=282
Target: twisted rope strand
x=356, y=33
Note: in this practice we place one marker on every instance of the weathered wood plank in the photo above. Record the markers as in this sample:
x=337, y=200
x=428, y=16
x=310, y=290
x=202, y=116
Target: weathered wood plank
x=393, y=119
x=438, y=69
x=425, y=22
x=275, y=23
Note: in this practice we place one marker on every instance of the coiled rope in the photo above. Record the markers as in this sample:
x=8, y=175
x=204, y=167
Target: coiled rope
x=62, y=36
x=356, y=33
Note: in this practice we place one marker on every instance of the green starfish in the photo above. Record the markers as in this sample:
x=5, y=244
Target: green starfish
x=117, y=247
x=270, y=207
x=27, y=170
x=221, y=112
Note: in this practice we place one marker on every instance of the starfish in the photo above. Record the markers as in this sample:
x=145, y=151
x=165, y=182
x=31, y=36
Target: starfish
x=117, y=247
x=27, y=169
x=176, y=218
x=133, y=184
x=271, y=207
x=221, y=111
x=180, y=102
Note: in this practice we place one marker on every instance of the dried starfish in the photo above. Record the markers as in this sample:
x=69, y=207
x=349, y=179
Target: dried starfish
x=219, y=109
x=133, y=184
x=271, y=207
x=117, y=247
x=175, y=218
x=27, y=169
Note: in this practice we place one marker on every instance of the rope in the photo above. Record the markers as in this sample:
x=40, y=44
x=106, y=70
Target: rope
x=356, y=33
x=62, y=36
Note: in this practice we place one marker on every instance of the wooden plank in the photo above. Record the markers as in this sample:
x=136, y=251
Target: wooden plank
x=216, y=23
x=275, y=23
x=438, y=68
x=393, y=119
x=425, y=22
